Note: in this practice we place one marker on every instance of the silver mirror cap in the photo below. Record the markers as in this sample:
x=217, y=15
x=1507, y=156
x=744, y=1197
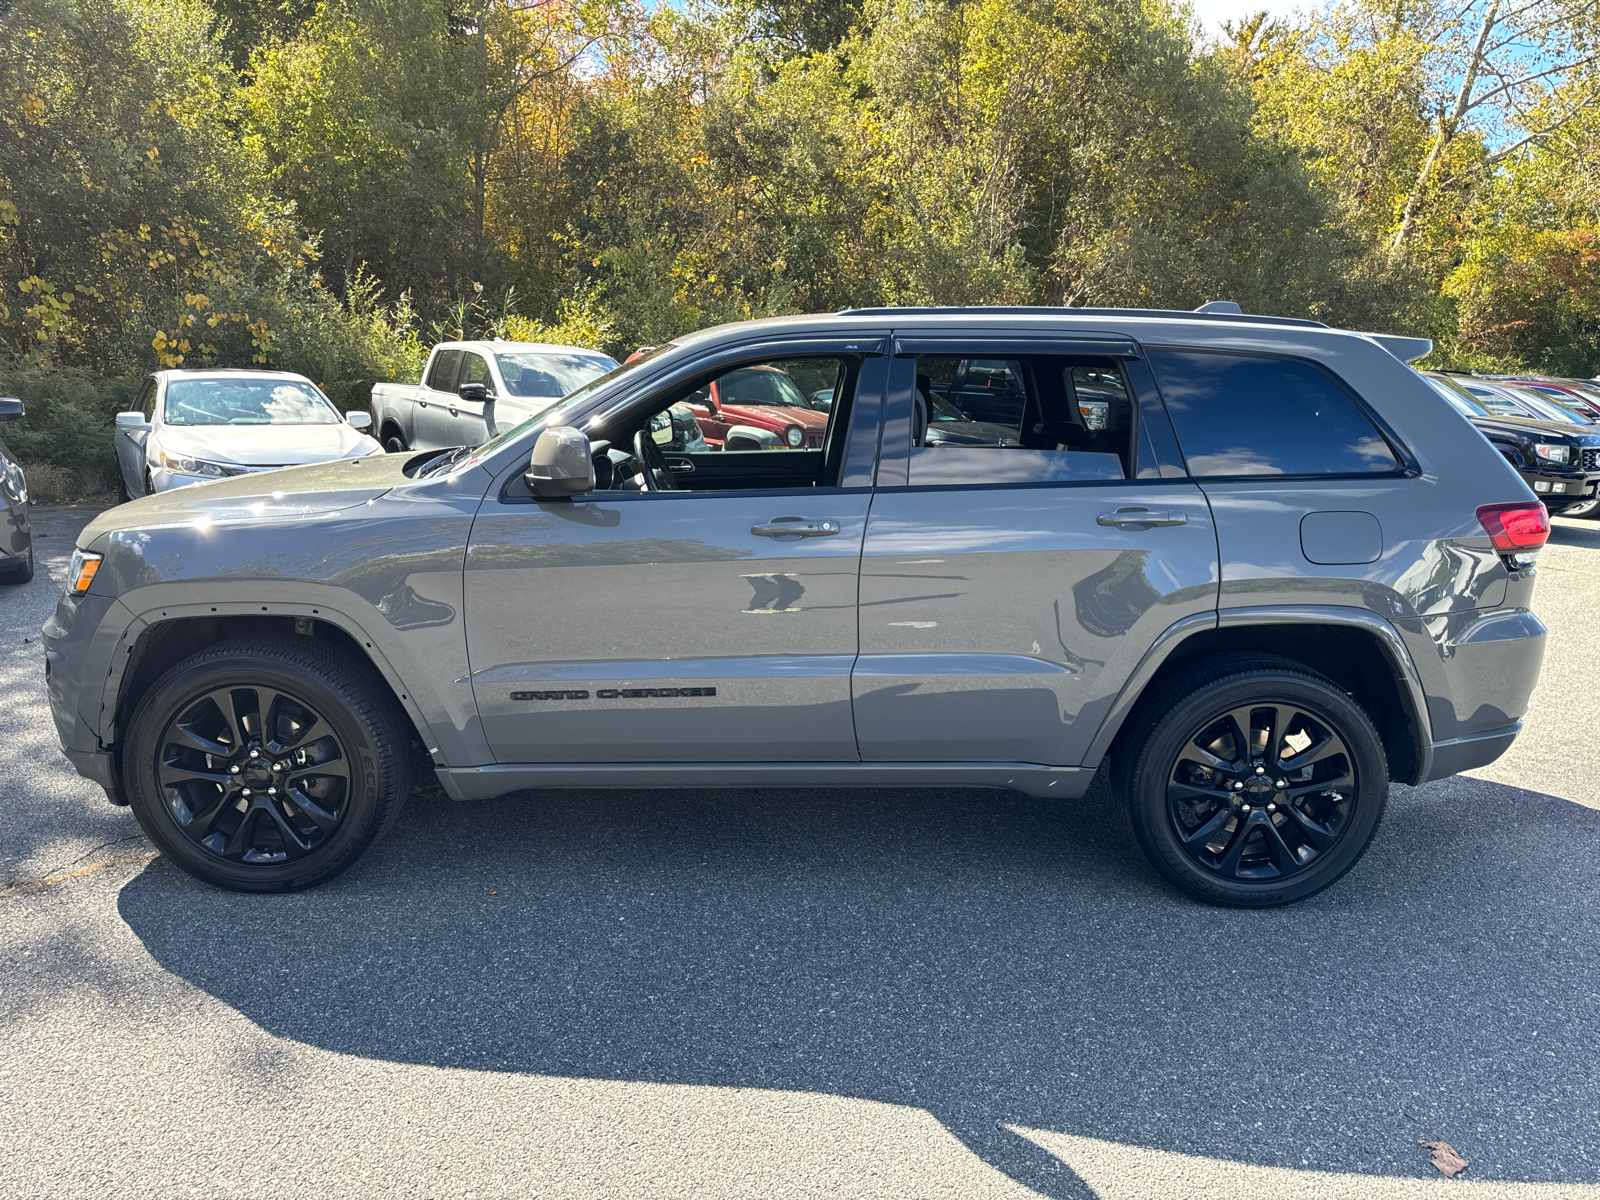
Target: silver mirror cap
x=358, y=419
x=561, y=464
x=131, y=420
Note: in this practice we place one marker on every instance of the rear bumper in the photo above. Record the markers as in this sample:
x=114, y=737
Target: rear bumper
x=1485, y=674
x=1476, y=750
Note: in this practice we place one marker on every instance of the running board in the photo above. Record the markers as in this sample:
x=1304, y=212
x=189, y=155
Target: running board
x=1031, y=779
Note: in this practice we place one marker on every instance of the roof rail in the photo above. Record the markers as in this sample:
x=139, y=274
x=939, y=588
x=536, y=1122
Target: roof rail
x=1052, y=310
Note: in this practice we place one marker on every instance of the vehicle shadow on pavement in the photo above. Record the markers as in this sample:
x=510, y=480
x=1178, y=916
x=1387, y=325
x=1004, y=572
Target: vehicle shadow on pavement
x=992, y=959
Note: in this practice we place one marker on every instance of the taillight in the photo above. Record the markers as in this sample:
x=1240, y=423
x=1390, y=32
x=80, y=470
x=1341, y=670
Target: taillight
x=1514, y=527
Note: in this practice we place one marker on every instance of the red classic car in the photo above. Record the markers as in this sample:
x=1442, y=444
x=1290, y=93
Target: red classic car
x=758, y=408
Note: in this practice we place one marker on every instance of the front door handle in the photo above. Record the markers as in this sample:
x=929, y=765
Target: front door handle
x=1137, y=517
x=795, y=527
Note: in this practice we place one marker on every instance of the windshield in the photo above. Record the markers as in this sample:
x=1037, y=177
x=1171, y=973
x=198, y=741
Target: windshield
x=760, y=386
x=1459, y=397
x=552, y=414
x=1549, y=408
x=550, y=373
x=247, y=401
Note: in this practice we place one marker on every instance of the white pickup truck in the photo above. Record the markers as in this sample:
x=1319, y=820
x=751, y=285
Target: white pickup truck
x=471, y=391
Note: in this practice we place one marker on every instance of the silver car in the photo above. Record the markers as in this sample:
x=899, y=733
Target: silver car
x=1267, y=572
x=16, y=535
x=191, y=427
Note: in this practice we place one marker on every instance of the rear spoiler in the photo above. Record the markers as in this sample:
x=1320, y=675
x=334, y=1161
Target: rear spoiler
x=1404, y=348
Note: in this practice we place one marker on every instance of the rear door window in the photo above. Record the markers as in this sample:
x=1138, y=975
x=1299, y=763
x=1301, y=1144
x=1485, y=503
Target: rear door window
x=1032, y=419
x=1241, y=415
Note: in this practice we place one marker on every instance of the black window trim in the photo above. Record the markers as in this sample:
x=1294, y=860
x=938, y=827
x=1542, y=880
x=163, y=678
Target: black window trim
x=1408, y=467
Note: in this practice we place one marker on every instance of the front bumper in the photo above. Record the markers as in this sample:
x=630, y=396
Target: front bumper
x=1557, y=486
x=76, y=663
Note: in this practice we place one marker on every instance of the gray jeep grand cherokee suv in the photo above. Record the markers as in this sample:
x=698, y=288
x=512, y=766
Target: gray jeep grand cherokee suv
x=1257, y=567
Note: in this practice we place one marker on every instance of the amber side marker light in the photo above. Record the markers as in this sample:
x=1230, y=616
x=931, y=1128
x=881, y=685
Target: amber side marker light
x=1515, y=528
x=81, y=572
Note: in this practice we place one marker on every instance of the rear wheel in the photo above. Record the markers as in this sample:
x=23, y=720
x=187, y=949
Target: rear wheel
x=393, y=442
x=266, y=765
x=1253, y=784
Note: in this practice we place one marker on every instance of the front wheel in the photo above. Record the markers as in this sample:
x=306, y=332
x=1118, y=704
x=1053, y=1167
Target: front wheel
x=1254, y=785
x=266, y=765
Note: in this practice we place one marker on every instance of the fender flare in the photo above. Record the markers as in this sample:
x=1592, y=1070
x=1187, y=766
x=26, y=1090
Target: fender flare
x=1413, y=697
x=112, y=694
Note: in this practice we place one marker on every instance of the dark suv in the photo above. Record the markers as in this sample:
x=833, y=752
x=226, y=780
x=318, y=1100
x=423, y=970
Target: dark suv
x=1254, y=569
x=1559, y=460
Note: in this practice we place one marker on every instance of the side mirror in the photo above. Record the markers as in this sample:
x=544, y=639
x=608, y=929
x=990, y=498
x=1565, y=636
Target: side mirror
x=10, y=408
x=357, y=419
x=131, y=420
x=561, y=464
x=478, y=393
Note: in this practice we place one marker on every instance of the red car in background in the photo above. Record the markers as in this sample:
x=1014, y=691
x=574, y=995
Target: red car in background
x=759, y=408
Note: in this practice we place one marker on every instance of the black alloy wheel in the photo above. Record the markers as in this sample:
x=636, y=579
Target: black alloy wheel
x=1251, y=781
x=1260, y=792
x=253, y=775
x=266, y=765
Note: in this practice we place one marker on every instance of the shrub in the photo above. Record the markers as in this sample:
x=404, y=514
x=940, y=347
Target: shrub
x=68, y=421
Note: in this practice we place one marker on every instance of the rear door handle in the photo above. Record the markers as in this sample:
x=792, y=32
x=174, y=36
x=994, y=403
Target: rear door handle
x=795, y=527
x=1137, y=517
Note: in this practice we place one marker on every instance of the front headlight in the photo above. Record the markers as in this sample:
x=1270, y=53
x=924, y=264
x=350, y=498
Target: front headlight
x=1555, y=454
x=193, y=466
x=794, y=436
x=81, y=571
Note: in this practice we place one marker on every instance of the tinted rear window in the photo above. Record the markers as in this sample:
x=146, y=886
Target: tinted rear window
x=1240, y=415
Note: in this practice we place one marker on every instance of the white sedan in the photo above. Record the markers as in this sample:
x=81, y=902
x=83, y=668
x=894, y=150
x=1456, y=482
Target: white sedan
x=195, y=426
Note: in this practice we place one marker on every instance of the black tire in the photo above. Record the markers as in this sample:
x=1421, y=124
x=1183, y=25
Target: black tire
x=1587, y=509
x=323, y=710
x=20, y=572
x=393, y=443
x=1215, y=821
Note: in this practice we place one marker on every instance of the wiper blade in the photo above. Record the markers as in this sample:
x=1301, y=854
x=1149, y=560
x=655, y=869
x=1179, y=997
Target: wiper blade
x=435, y=465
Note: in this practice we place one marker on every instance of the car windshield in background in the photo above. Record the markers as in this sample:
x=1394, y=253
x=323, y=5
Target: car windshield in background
x=1463, y=401
x=571, y=399
x=246, y=402
x=550, y=374
x=762, y=386
x=1555, y=412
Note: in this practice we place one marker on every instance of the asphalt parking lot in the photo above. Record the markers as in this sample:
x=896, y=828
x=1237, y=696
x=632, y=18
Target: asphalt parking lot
x=806, y=993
